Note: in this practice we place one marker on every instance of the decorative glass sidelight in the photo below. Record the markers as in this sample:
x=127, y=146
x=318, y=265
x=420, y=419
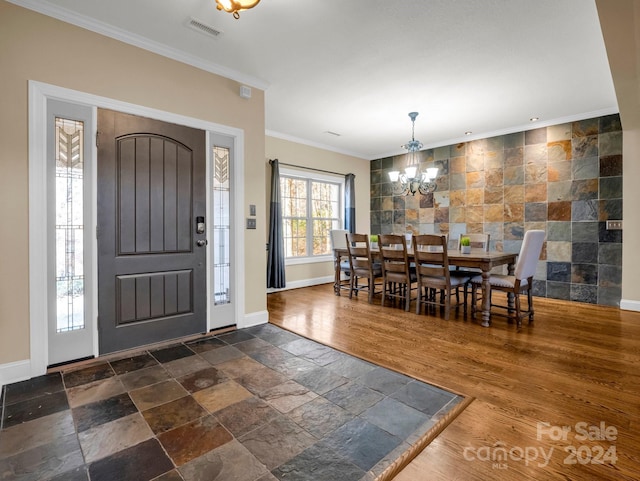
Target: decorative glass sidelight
x=69, y=224
x=221, y=225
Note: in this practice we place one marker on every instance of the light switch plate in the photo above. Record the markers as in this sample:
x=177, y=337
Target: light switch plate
x=252, y=209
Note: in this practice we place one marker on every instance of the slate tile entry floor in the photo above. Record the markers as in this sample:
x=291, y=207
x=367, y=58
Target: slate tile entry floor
x=257, y=404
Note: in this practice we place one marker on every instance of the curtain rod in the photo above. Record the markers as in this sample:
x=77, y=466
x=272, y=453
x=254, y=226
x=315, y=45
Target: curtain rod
x=311, y=168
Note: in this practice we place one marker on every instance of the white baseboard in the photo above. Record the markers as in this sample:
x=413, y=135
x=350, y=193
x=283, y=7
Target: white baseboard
x=254, y=319
x=630, y=305
x=303, y=283
x=15, y=371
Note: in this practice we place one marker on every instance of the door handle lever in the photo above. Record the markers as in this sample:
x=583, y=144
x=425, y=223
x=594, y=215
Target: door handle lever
x=202, y=243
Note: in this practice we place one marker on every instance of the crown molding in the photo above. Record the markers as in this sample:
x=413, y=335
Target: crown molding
x=310, y=143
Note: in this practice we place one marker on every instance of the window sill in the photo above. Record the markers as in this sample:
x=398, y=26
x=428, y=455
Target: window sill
x=292, y=261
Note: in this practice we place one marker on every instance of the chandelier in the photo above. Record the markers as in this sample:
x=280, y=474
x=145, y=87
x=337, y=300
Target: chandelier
x=235, y=6
x=412, y=180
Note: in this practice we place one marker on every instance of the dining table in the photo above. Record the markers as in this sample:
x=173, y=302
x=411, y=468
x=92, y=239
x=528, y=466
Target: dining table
x=478, y=258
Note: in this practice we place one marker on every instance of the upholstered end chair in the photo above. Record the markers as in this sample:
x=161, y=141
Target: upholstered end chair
x=520, y=282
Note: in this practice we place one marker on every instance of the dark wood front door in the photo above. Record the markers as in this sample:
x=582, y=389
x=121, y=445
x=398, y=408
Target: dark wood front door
x=151, y=254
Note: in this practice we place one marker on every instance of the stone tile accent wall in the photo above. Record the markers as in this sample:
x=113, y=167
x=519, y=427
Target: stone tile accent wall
x=565, y=179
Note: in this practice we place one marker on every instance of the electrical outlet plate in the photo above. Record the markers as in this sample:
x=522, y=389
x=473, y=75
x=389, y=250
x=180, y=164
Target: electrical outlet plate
x=614, y=225
x=251, y=223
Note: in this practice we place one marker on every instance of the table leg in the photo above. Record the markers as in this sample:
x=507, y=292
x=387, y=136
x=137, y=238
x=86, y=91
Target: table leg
x=336, y=278
x=486, y=303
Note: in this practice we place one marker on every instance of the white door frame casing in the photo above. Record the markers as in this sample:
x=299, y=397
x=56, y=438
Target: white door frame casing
x=39, y=93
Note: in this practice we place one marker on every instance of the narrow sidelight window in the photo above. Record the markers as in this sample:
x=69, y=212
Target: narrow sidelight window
x=69, y=224
x=221, y=225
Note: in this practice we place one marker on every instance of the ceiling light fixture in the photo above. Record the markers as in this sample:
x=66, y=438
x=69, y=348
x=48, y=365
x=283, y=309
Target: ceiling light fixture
x=412, y=180
x=468, y=132
x=235, y=6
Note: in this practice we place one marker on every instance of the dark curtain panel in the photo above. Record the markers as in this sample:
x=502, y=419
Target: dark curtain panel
x=275, y=259
x=350, y=202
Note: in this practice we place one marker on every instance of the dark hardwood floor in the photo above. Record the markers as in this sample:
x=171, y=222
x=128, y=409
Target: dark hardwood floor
x=559, y=399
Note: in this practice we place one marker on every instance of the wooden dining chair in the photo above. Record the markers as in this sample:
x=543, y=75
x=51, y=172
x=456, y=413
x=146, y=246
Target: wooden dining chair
x=476, y=241
x=398, y=275
x=520, y=282
x=362, y=265
x=341, y=262
x=432, y=271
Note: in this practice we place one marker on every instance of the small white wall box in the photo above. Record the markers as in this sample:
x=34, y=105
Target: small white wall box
x=245, y=92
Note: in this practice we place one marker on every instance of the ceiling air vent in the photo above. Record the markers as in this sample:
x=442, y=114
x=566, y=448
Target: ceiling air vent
x=203, y=28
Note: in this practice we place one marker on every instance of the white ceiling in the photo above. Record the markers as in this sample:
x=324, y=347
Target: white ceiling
x=357, y=67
